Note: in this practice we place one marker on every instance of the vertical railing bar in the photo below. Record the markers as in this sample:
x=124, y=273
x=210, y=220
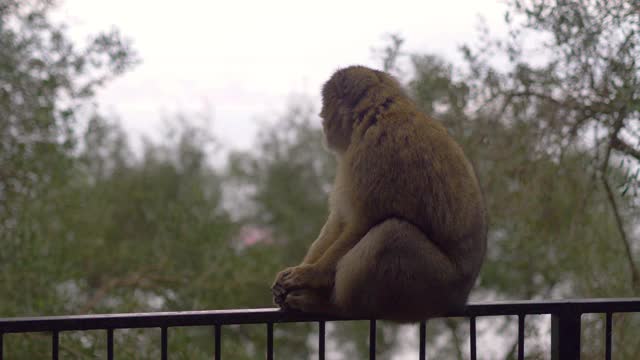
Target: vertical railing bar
x=1, y=349
x=109, y=344
x=565, y=333
x=269, y=341
x=55, y=341
x=472, y=335
x=423, y=340
x=521, y=336
x=608, y=334
x=163, y=337
x=321, y=335
x=217, y=335
x=372, y=339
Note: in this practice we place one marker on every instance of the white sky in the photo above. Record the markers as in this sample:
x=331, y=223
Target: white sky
x=240, y=61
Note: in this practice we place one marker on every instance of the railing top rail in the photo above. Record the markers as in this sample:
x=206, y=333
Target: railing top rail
x=274, y=315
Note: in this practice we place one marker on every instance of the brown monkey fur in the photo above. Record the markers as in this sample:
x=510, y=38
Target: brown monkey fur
x=406, y=233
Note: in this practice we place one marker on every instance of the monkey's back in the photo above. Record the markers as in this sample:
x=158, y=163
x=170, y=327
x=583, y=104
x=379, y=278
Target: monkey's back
x=405, y=165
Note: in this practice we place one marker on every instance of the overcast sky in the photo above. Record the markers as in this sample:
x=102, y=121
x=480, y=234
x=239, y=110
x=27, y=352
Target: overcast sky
x=240, y=61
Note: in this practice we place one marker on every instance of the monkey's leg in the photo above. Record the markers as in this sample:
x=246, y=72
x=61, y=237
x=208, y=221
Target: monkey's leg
x=395, y=272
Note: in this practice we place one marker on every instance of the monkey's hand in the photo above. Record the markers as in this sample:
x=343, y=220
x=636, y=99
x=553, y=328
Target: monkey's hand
x=300, y=277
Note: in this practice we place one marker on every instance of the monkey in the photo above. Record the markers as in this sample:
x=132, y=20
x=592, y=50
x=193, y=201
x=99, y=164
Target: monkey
x=406, y=232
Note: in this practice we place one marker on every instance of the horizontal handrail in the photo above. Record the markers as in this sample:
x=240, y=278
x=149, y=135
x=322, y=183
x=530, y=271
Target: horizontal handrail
x=274, y=315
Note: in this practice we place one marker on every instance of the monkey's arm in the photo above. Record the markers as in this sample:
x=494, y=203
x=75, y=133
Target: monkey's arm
x=337, y=249
x=320, y=274
x=329, y=233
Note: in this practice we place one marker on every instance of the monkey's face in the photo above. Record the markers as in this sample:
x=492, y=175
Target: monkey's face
x=347, y=96
x=336, y=125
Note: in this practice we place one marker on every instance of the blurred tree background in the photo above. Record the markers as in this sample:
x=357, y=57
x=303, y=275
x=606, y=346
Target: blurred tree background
x=549, y=115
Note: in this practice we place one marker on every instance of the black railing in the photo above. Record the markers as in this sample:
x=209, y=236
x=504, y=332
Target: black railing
x=565, y=324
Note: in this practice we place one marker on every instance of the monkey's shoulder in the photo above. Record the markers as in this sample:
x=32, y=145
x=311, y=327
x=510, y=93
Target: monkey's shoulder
x=416, y=142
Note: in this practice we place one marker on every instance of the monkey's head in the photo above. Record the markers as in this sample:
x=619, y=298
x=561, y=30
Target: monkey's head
x=348, y=95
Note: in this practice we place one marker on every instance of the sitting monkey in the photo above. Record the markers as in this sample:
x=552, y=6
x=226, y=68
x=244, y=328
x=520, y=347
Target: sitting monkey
x=406, y=233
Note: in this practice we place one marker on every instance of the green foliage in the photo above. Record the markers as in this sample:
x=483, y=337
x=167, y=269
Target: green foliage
x=44, y=81
x=540, y=127
x=89, y=225
x=287, y=177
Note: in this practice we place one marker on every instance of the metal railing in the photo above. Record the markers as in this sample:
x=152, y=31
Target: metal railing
x=565, y=324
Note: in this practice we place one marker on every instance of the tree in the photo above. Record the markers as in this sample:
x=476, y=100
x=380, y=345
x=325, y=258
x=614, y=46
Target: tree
x=284, y=182
x=88, y=225
x=545, y=128
x=540, y=207
x=580, y=84
x=44, y=81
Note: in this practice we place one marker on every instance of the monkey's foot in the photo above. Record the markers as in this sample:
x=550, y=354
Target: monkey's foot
x=301, y=277
x=309, y=300
x=279, y=294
